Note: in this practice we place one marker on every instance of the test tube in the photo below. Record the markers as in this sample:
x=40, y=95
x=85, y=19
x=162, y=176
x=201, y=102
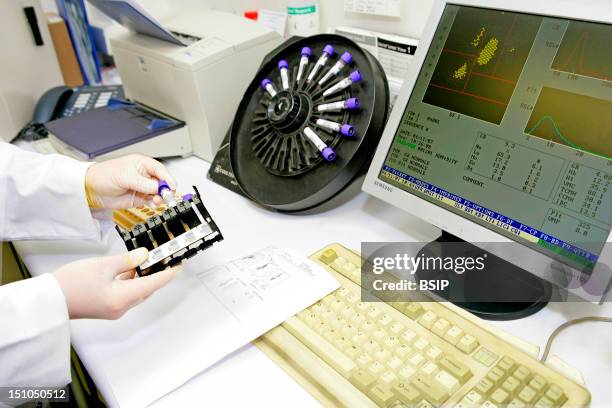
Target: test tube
x=354, y=77
x=345, y=59
x=267, y=85
x=306, y=51
x=328, y=51
x=349, y=104
x=283, y=66
x=163, y=189
x=326, y=151
x=343, y=129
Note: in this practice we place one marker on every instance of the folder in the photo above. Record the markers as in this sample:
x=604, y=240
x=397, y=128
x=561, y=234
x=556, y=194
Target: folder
x=74, y=14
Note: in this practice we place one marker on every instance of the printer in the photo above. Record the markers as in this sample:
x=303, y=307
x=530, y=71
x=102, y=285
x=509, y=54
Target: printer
x=200, y=83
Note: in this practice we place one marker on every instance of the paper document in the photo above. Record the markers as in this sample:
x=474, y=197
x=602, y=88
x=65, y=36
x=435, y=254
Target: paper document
x=202, y=317
x=131, y=15
x=390, y=8
x=394, y=52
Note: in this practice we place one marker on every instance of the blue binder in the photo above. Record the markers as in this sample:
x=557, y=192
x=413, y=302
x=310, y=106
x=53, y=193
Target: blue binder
x=74, y=14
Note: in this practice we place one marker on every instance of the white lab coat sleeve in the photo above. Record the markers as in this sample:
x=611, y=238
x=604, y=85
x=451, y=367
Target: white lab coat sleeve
x=35, y=334
x=43, y=197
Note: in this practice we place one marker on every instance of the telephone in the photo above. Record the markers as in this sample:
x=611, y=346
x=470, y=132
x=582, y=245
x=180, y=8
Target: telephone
x=62, y=101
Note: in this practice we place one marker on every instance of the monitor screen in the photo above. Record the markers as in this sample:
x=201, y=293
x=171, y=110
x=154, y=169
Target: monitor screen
x=509, y=124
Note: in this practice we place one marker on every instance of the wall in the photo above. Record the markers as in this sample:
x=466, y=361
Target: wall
x=414, y=13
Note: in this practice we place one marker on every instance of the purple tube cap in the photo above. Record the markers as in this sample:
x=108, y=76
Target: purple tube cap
x=265, y=83
x=283, y=64
x=306, y=51
x=329, y=154
x=346, y=57
x=161, y=186
x=329, y=49
x=347, y=130
x=187, y=197
x=355, y=76
x=352, y=103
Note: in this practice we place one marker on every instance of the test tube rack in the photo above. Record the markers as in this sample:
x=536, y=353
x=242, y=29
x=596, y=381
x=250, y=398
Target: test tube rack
x=288, y=155
x=171, y=234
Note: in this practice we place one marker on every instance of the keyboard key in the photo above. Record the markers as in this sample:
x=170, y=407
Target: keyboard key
x=424, y=404
x=406, y=373
x=358, y=319
x=391, y=342
x=485, y=386
x=371, y=346
x=499, y=397
x=440, y=327
x=368, y=327
x=544, y=403
x=394, y=363
x=388, y=378
x=456, y=368
x=408, y=336
x=406, y=393
x=447, y=381
x=555, y=394
x=453, y=335
x=382, y=355
x=374, y=312
x=376, y=368
x=522, y=374
x=384, y=320
x=528, y=395
x=416, y=360
x=507, y=364
x=420, y=344
x=428, y=319
x=517, y=403
x=379, y=335
x=330, y=354
x=403, y=351
x=472, y=398
x=467, y=343
x=359, y=338
x=511, y=385
x=429, y=369
x=362, y=380
x=396, y=328
x=364, y=360
x=496, y=375
x=381, y=394
x=413, y=310
x=489, y=404
x=433, y=353
x=538, y=383
x=431, y=391
x=349, y=331
x=485, y=356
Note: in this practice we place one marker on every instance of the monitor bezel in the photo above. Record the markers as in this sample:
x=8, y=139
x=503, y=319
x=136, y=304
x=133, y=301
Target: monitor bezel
x=522, y=256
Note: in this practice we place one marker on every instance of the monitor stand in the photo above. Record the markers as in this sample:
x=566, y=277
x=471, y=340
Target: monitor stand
x=501, y=279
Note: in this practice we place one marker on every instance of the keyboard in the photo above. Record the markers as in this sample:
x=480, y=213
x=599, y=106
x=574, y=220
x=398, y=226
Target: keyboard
x=407, y=354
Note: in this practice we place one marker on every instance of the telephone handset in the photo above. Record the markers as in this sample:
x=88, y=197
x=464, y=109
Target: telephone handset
x=62, y=101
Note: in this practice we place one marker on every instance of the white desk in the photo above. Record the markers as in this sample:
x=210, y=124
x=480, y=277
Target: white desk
x=247, y=377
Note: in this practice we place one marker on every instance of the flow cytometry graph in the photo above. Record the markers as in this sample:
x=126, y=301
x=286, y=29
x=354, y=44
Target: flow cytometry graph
x=579, y=121
x=585, y=50
x=481, y=62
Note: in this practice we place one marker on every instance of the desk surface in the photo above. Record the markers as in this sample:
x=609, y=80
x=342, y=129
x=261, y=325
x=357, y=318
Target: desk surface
x=247, y=377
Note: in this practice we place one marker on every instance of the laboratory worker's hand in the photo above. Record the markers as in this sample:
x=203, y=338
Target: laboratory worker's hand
x=126, y=182
x=105, y=288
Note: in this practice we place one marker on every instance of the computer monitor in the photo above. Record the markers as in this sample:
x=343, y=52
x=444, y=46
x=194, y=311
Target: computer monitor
x=503, y=132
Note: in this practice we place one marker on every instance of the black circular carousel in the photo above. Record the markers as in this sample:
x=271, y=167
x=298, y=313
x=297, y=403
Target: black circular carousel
x=309, y=122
